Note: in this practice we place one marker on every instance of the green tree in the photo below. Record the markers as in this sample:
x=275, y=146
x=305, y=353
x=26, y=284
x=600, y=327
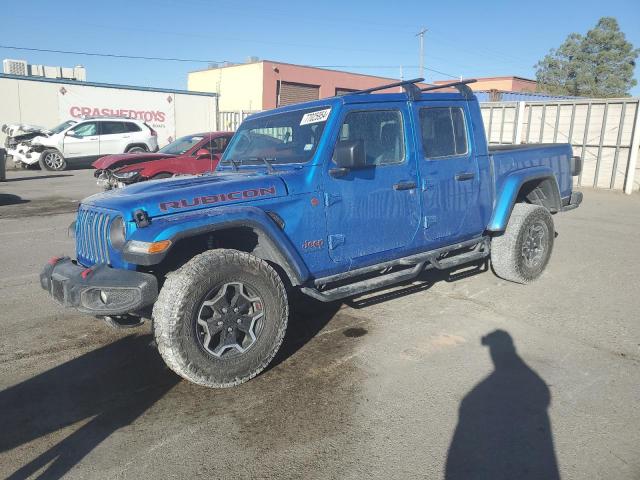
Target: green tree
x=598, y=64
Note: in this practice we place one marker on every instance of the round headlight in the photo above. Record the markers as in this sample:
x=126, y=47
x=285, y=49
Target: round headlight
x=117, y=233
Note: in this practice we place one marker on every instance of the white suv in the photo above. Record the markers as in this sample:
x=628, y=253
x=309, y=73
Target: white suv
x=89, y=139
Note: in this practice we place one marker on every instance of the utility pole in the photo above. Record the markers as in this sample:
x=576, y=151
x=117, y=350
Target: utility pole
x=421, y=35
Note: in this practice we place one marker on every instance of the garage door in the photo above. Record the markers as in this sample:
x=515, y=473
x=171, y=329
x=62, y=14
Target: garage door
x=297, y=93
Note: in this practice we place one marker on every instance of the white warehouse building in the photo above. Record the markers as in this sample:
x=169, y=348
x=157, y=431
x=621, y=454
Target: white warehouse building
x=48, y=102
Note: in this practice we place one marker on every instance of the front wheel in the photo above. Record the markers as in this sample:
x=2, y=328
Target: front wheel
x=521, y=253
x=52, y=160
x=221, y=318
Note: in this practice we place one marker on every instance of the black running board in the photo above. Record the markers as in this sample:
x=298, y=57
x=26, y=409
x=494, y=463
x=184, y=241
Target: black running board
x=363, y=286
x=481, y=249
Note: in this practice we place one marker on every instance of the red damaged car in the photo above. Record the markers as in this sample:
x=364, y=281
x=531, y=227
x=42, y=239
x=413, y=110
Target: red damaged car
x=189, y=155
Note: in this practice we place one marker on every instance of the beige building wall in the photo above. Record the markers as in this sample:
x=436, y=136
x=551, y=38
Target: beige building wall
x=239, y=86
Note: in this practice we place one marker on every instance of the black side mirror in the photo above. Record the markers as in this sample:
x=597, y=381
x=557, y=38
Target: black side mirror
x=348, y=155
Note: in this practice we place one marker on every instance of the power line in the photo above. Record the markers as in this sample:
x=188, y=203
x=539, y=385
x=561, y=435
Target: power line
x=199, y=60
x=112, y=55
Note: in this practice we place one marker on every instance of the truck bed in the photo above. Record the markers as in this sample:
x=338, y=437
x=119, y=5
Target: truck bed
x=522, y=146
x=510, y=158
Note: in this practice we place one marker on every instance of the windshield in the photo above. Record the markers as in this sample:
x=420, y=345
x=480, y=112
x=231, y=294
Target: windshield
x=63, y=126
x=290, y=137
x=181, y=145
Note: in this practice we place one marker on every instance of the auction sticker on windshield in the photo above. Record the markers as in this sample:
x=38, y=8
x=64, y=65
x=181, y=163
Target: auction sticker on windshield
x=315, y=117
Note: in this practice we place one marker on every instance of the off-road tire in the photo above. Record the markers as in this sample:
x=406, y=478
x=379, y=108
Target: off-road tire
x=47, y=164
x=507, y=258
x=177, y=308
x=136, y=149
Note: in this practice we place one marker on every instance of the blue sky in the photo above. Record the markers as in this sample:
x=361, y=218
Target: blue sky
x=470, y=39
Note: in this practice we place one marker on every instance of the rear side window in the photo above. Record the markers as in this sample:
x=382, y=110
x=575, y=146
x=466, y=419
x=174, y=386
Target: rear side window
x=444, y=132
x=111, y=128
x=131, y=127
x=382, y=134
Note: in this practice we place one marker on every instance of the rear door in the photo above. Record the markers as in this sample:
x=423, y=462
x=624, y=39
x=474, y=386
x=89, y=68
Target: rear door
x=115, y=136
x=374, y=209
x=81, y=143
x=448, y=171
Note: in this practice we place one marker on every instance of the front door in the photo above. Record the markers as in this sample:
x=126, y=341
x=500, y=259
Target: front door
x=82, y=142
x=449, y=172
x=374, y=209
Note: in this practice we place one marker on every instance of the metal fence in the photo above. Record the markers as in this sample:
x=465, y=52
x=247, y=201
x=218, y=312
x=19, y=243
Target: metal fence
x=605, y=132
x=230, y=121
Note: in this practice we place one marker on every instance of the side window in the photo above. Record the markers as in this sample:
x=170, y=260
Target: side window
x=131, y=127
x=112, y=128
x=87, y=129
x=380, y=130
x=444, y=132
x=218, y=145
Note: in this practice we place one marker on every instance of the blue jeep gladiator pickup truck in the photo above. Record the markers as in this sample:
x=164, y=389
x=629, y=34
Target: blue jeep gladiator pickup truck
x=334, y=197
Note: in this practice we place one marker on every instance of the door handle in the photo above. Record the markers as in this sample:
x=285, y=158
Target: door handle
x=462, y=176
x=404, y=186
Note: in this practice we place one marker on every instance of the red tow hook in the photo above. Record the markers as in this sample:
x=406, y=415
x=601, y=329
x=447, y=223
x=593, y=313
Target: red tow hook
x=87, y=271
x=54, y=260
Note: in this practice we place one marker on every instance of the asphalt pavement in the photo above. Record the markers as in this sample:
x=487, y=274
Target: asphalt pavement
x=440, y=378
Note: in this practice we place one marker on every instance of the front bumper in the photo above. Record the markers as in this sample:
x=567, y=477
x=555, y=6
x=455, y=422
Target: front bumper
x=99, y=290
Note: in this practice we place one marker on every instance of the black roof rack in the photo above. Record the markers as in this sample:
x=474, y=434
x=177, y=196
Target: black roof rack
x=413, y=92
x=461, y=86
x=407, y=85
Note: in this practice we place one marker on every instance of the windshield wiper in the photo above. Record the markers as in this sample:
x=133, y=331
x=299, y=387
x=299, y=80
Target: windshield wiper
x=236, y=166
x=270, y=168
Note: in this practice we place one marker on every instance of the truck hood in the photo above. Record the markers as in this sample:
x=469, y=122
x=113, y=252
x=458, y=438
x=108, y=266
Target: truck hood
x=189, y=193
x=13, y=129
x=117, y=161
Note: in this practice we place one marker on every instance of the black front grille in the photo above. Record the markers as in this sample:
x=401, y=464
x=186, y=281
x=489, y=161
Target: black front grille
x=92, y=236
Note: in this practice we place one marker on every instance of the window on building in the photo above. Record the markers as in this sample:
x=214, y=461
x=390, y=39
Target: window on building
x=380, y=130
x=444, y=132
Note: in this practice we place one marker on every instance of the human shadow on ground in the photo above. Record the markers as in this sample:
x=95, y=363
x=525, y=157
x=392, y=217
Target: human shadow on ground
x=503, y=430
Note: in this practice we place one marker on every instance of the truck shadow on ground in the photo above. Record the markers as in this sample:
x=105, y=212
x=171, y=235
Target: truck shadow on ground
x=10, y=199
x=109, y=388
x=503, y=429
x=421, y=283
x=39, y=177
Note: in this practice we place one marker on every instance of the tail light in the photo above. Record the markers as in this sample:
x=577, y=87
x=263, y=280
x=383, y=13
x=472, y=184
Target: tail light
x=153, y=132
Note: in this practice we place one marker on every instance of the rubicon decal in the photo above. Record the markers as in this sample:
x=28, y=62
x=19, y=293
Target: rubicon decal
x=219, y=197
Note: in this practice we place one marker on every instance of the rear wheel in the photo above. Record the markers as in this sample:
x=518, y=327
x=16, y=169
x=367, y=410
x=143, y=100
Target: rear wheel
x=522, y=252
x=52, y=160
x=136, y=150
x=221, y=318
